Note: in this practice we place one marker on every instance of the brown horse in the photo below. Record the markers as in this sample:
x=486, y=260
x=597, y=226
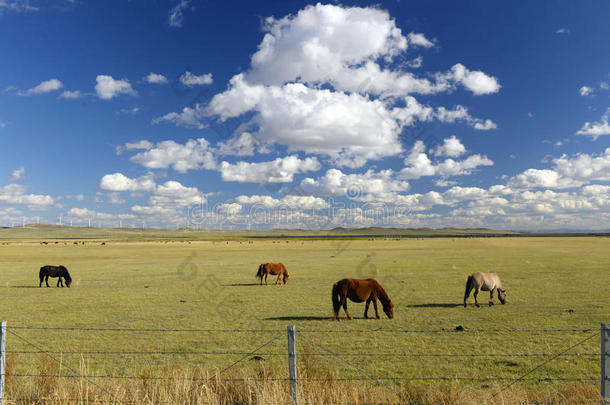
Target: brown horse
x=357, y=290
x=275, y=269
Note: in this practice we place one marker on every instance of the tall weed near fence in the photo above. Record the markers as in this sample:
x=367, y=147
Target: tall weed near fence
x=260, y=376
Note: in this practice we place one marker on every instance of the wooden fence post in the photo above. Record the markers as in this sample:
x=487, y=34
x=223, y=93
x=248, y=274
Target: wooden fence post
x=605, y=357
x=2, y=359
x=292, y=364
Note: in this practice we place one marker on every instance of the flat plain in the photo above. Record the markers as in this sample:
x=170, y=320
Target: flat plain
x=202, y=307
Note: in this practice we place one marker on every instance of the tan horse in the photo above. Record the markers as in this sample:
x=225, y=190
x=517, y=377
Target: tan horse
x=485, y=282
x=357, y=290
x=275, y=269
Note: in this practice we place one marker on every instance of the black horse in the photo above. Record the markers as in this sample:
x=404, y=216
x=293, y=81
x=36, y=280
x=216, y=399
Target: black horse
x=54, y=271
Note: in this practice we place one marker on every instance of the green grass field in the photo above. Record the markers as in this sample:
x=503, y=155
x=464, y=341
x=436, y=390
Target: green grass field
x=552, y=283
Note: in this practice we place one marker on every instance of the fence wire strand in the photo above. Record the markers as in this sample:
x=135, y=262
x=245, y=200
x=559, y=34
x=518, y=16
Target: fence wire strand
x=59, y=362
x=544, y=363
x=305, y=335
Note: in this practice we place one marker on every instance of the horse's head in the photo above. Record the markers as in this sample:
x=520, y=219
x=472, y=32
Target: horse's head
x=285, y=278
x=502, y=295
x=66, y=275
x=389, y=309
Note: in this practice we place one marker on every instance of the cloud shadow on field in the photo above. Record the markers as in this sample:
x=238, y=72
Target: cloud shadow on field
x=301, y=318
x=435, y=305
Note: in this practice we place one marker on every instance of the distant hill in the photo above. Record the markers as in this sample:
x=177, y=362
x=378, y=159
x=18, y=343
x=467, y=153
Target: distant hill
x=56, y=232
x=52, y=232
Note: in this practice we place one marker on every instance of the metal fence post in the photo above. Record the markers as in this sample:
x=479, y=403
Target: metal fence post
x=605, y=355
x=2, y=359
x=292, y=364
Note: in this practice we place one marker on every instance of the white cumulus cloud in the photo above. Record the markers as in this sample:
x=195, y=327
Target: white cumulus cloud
x=45, y=87
x=107, y=87
x=120, y=182
x=190, y=80
x=596, y=129
x=18, y=173
x=193, y=155
x=418, y=164
x=451, y=147
x=72, y=94
x=586, y=91
x=155, y=78
x=280, y=170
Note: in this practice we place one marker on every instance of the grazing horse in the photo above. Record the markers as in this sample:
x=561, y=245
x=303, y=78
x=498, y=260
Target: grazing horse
x=484, y=282
x=54, y=271
x=275, y=269
x=357, y=290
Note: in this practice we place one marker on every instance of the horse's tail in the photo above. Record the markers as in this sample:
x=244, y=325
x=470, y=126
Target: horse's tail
x=260, y=271
x=42, y=272
x=336, y=297
x=469, y=285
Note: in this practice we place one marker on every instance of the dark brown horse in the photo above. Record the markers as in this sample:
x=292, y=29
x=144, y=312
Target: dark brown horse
x=275, y=269
x=357, y=290
x=54, y=271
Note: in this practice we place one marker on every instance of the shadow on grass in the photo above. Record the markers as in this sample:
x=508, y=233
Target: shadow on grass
x=435, y=305
x=301, y=318
x=24, y=286
x=240, y=285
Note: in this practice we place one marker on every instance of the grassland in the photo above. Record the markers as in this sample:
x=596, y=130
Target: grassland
x=138, y=283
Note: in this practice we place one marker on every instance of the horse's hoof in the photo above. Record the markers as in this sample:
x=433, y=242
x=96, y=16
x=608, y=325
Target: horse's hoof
x=464, y=305
x=477, y=305
x=490, y=303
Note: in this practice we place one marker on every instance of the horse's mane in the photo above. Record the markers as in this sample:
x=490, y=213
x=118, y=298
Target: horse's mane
x=66, y=274
x=382, y=294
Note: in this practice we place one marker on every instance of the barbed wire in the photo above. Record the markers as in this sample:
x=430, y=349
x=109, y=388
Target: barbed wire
x=569, y=330
x=450, y=330
x=143, y=377
x=105, y=401
x=258, y=379
x=229, y=353
x=542, y=364
x=146, y=330
x=57, y=361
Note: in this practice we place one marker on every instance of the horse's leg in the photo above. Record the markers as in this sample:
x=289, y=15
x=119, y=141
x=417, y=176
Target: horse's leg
x=277, y=281
x=491, y=296
x=476, y=293
x=41, y=279
x=366, y=308
x=46, y=280
x=266, y=274
x=349, y=316
x=375, y=305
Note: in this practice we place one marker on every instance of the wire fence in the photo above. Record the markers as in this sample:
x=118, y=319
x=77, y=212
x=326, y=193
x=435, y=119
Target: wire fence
x=312, y=343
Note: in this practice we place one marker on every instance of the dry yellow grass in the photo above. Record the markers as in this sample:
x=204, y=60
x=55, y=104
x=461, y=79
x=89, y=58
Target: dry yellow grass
x=264, y=385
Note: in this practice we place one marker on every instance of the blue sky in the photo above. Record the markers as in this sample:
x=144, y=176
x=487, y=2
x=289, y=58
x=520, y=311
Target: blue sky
x=306, y=115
